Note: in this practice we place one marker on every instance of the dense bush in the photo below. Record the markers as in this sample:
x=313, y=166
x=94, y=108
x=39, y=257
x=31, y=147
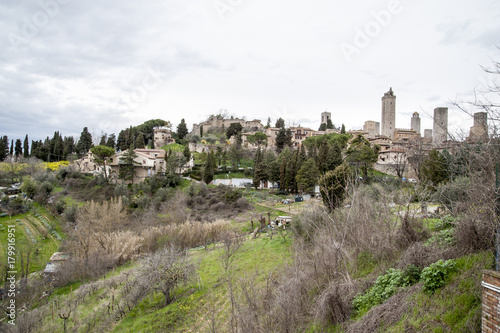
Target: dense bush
x=385, y=286
x=434, y=276
x=46, y=188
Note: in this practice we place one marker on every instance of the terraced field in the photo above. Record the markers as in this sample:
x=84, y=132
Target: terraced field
x=37, y=233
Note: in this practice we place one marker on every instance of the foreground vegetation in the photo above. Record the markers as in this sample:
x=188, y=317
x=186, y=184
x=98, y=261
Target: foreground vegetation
x=171, y=254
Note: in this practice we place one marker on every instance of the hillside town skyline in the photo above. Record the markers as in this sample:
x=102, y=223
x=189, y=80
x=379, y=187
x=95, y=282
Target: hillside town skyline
x=403, y=120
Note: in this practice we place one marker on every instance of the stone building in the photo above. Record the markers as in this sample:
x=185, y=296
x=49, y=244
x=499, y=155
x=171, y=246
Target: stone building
x=299, y=134
x=388, y=114
x=147, y=163
x=219, y=123
x=372, y=127
x=272, y=133
x=405, y=136
x=440, y=127
x=479, y=132
x=162, y=136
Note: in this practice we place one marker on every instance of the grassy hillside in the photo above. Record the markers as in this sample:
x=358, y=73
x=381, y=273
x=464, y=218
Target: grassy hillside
x=199, y=304
x=377, y=263
x=36, y=232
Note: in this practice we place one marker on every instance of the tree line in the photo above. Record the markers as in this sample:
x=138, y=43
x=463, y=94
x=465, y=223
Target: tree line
x=60, y=147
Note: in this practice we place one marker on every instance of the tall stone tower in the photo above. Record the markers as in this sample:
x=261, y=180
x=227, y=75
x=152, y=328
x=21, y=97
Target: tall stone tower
x=479, y=132
x=440, y=128
x=325, y=116
x=388, y=114
x=415, y=122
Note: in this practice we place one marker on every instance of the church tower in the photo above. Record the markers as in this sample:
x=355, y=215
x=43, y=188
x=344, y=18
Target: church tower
x=389, y=114
x=325, y=116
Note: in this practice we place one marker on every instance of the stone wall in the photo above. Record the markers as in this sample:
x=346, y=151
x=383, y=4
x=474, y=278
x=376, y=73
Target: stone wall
x=490, y=321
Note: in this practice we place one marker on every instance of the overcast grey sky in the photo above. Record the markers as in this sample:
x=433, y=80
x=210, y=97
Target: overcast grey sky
x=66, y=64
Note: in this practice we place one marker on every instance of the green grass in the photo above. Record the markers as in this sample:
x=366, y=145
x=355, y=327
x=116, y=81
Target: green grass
x=175, y=147
x=256, y=258
x=231, y=175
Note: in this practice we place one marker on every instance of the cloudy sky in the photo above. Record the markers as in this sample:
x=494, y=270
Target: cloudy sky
x=66, y=64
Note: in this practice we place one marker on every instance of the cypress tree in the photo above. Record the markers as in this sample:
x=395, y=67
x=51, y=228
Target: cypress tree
x=26, y=147
x=307, y=176
x=209, y=170
x=68, y=146
x=111, y=142
x=127, y=165
x=85, y=142
x=139, y=143
x=182, y=130
x=2, y=150
x=334, y=158
x=18, y=148
x=329, y=124
x=187, y=153
x=323, y=156
x=5, y=152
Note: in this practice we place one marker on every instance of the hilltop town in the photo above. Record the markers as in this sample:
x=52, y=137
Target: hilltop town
x=398, y=149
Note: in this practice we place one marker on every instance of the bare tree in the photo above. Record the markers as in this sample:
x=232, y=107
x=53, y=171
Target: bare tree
x=416, y=155
x=230, y=245
x=165, y=270
x=399, y=162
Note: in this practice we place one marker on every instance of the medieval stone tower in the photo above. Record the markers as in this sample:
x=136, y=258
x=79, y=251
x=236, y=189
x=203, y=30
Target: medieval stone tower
x=162, y=137
x=372, y=127
x=479, y=132
x=325, y=116
x=415, y=122
x=388, y=114
x=440, y=128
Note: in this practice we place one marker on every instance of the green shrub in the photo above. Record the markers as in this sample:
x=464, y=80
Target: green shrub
x=411, y=275
x=46, y=188
x=60, y=205
x=385, y=286
x=443, y=238
x=434, y=276
x=444, y=223
x=29, y=187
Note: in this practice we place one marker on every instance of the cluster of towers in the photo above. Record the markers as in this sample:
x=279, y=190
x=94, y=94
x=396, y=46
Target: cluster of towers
x=438, y=135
